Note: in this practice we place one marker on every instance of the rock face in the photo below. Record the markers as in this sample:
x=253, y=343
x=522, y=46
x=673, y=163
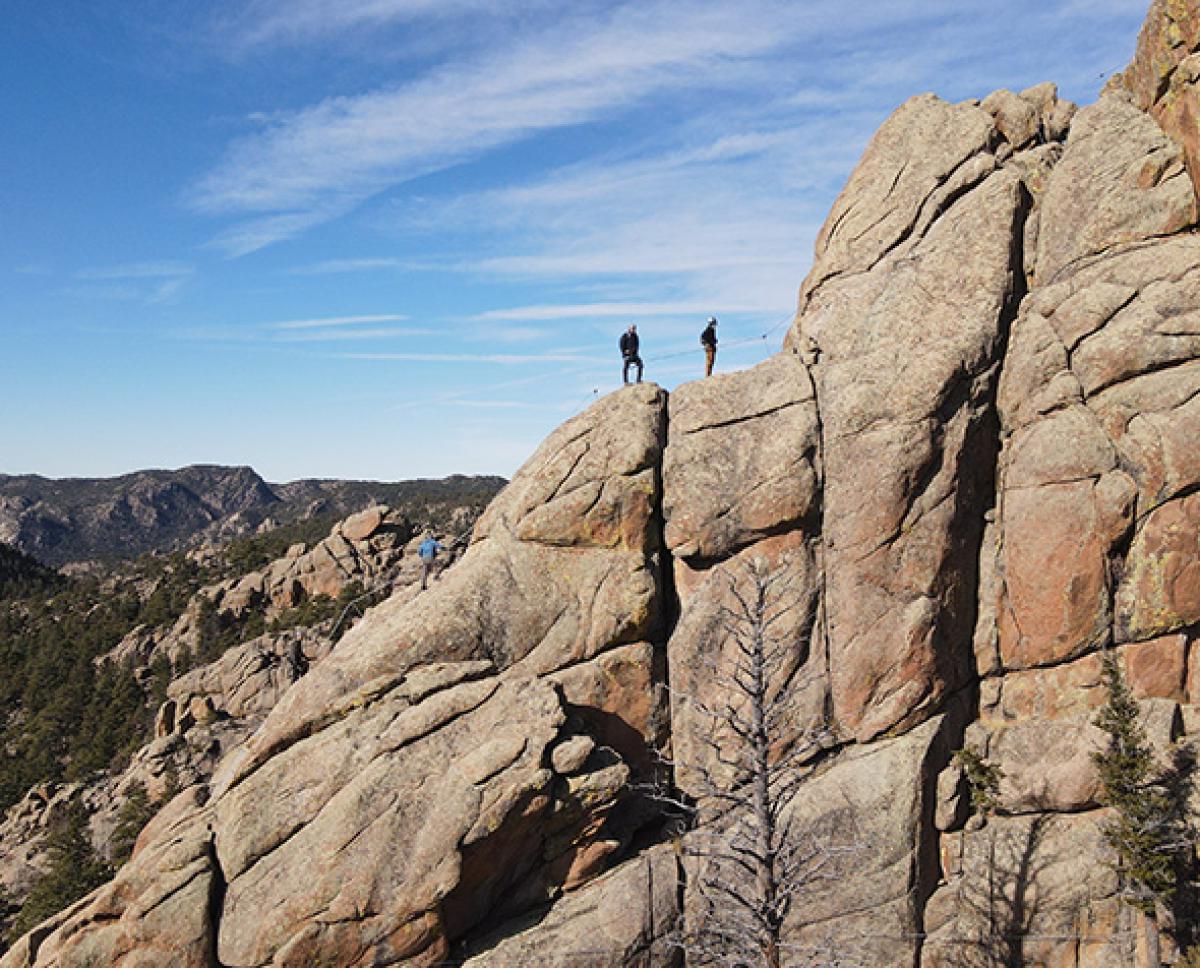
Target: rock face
x=509, y=709
x=215, y=707
x=972, y=467
x=1164, y=73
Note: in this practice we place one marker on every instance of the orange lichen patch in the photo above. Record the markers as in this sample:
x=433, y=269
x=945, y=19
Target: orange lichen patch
x=1160, y=591
x=1162, y=78
x=1158, y=668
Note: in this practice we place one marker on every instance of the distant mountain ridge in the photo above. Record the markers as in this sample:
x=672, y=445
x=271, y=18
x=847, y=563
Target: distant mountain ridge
x=65, y=520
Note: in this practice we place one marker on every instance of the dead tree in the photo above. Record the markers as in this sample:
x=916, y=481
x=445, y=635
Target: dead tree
x=749, y=859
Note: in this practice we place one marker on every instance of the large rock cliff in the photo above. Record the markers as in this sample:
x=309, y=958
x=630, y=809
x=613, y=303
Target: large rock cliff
x=975, y=460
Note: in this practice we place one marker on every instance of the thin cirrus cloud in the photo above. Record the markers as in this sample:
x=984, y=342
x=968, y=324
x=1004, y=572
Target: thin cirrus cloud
x=274, y=22
x=344, y=335
x=594, y=311
x=337, y=266
x=728, y=220
x=138, y=270
x=318, y=163
x=501, y=359
x=330, y=329
x=333, y=321
x=151, y=283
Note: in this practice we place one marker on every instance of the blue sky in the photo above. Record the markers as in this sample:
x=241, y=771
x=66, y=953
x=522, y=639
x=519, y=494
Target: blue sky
x=399, y=238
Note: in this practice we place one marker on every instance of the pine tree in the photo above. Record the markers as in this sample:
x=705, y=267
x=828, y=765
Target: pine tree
x=1146, y=829
x=74, y=871
x=134, y=814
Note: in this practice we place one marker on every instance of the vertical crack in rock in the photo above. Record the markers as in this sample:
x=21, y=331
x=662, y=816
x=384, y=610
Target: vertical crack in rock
x=216, y=899
x=671, y=609
x=962, y=705
x=821, y=631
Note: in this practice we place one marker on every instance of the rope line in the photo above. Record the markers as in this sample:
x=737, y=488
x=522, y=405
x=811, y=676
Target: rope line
x=737, y=342
x=450, y=398
x=744, y=341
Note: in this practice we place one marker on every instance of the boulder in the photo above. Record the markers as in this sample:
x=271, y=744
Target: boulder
x=1120, y=181
x=623, y=919
x=1163, y=76
x=741, y=462
x=359, y=527
x=905, y=409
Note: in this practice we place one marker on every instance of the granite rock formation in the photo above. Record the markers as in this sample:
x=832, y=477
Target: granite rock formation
x=974, y=460
x=212, y=708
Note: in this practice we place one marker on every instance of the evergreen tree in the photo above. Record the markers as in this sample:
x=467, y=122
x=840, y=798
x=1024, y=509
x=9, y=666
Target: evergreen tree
x=1146, y=830
x=134, y=814
x=74, y=871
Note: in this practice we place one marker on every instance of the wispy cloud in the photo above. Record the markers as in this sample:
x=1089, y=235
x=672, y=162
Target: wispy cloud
x=331, y=321
x=167, y=291
x=516, y=334
x=594, y=311
x=814, y=75
x=138, y=270
x=724, y=225
x=151, y=283
x=337, y=266
x=492, y=404
x=501, y=359
x=329, y=329
x=318, y=163
x=271, y=22
x=337, y=335
x=257, y=233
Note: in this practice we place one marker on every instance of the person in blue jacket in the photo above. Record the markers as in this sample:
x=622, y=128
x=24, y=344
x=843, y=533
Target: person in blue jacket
x=428, y=552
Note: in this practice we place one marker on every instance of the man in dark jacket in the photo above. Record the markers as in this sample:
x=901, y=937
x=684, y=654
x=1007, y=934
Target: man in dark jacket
x=629, y=353
x=708, y=339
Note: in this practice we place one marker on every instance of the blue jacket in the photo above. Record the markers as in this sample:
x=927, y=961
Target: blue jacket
x=429, y=549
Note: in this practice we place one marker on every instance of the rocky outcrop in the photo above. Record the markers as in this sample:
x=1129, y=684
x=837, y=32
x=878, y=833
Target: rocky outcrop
x=214, y=707
x=506, y=716
x=370, y=554
x=364, y=549
x=971, y=470
x=905, y=409
x=103, y=519
x=1163, y=76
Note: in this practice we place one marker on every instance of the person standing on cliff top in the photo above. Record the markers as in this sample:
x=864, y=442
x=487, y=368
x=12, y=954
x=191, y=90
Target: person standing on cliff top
x=708, y=339
x=629, y=353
